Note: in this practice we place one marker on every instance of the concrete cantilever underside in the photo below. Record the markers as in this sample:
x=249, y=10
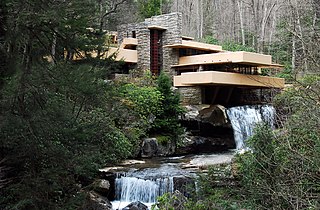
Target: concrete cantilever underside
x=226, y=78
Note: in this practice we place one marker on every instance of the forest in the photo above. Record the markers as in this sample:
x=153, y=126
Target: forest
x=61, y=120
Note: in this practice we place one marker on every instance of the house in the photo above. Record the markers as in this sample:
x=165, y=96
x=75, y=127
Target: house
x=203, y=73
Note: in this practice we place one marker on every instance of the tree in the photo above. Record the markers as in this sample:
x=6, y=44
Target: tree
x=167, y=120
x=281, y=171
x=148, y=8
x=57, y=127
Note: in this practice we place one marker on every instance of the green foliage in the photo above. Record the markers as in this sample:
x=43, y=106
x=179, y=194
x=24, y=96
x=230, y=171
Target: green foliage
x=146, y=101
x=60, y=121
x=167, y=121
x=165, y=202
x=281, y=172
x=211, y=40
x=156, y=105
x=233, y=46
x=59, y=136
x=57, y=124
x=163, y=140
x=149, y=8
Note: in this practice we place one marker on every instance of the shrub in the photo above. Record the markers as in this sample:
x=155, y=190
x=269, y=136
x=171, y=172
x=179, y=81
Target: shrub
x=282, y=171
x=167, y=121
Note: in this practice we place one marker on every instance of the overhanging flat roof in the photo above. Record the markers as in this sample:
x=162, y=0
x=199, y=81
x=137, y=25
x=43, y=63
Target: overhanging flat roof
x=226, y=78
x=156, y=27
x=187, y=38
x=196, y=45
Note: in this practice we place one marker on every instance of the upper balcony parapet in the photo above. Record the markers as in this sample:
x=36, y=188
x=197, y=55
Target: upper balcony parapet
x=188, y=44
x=128, y=43
x=241, y=57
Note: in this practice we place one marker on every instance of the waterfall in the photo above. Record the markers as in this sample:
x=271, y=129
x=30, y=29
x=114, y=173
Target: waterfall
x=129, y=189
x=244, y=119
x=145, y=185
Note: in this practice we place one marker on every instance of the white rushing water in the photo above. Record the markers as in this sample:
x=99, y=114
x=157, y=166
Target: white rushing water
x=130, y=189
x=245, y=118
x=144, y=186
x=147, y=184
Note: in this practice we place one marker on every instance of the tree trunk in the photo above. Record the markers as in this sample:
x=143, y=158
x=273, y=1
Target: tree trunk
x=240, y=9
x=293, y=59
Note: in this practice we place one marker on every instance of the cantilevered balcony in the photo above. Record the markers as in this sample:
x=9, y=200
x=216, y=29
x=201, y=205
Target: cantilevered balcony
x=126, y=52
x=226, y=78
x=128, y=56
x=129, y=43
x=246, y=58
x=187, y=44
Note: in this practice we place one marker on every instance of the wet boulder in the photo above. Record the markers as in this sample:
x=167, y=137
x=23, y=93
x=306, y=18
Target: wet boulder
x=157, y=146
x=95, y=201
x=102, y=186
x=213, y=114
x=149, y=147
x=136, y=206
x=207, y=130
x=184, y=185
x=193, y=144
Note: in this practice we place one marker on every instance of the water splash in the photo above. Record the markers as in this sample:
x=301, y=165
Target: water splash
x=129, y=189
x=245, y=118
x=145, y=185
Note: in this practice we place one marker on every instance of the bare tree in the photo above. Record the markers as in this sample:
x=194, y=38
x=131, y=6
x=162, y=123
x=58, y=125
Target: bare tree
x=240, y=9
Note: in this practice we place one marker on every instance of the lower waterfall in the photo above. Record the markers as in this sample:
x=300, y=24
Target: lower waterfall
x=130, y=189
x=145, y=185
x=245, y=118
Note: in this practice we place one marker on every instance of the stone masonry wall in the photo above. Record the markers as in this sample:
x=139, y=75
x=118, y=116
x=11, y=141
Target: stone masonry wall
x=190, y=95
x=172, y=35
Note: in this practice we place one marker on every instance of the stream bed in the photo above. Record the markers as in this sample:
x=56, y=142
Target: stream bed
x=146, y=179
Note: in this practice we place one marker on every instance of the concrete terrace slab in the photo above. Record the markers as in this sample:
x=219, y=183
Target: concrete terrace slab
x=226, y=78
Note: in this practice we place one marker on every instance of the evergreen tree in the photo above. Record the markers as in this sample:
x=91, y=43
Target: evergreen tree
x=167, y=120
x=56, y=123
x=149, y=8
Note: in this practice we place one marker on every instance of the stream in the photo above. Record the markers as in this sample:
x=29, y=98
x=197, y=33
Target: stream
x=150, y=178
x=147, y=179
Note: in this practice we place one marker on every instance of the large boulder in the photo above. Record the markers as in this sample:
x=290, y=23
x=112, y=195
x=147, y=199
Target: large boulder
x=184, y=185
x=136, y=206
x=96, y=201
x=192, y=111
x=193, y=144
x=149, y=147
x=158, y=146
x=208, y=130
x=213, y=114
x=102, y=186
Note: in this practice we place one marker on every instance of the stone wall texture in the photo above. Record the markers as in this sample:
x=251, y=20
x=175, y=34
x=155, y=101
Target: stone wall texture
x=190, y=95
x=171, y=35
